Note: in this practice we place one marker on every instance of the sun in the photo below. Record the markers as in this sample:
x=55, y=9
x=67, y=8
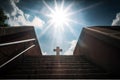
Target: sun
x=59, y=17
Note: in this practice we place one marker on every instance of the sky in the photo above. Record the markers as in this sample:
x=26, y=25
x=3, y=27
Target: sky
x=59, y=22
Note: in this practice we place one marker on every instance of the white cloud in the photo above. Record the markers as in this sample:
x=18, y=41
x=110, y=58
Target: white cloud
x=116, y=21
x=71, y=48
x=18, y=18
x=44, y=53
x=27, y=16
x=37, y=22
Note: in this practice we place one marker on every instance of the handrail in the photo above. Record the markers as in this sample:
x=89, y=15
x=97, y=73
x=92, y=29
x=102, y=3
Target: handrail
x=17, y=42
x=16, y=56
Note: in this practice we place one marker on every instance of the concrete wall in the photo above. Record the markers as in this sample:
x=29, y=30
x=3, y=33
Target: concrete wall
x=101, y=46
x=12, y=34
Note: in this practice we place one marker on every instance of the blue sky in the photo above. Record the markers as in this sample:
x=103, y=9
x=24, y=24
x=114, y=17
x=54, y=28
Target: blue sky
x=84, y=13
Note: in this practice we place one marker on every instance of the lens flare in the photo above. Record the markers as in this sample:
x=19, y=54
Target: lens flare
x=59, y=17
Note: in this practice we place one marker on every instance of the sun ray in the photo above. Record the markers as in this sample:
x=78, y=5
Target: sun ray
x=55, y=2
x=68, y=8
x=44, y=31
x=72, y=31
x=62, y=4
x=48, y=6
x=58, y=16
x=85, y=8
x=76, y=22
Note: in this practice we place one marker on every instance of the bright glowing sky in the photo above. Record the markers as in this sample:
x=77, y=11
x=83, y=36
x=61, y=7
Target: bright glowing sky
x=59, y=22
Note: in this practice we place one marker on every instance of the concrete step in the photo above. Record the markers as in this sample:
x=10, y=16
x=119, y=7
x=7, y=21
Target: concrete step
x=82, y=61
x=55, y=58
x=58, y=66
x=57, y=71
x=56, y=63
x=58, y=76
x=55, y=67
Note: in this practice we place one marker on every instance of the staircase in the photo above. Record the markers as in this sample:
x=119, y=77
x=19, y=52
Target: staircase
x=55, y=67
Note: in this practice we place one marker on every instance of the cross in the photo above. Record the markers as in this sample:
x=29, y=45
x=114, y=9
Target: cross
x=57, y=50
